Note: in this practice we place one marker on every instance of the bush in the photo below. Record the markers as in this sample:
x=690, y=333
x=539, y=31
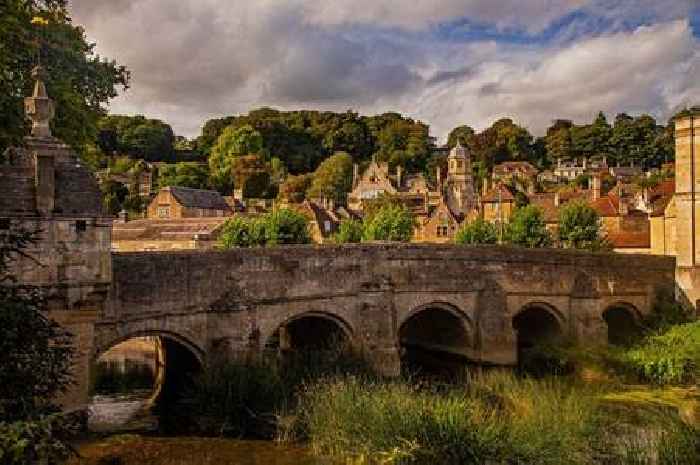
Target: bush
x=579, y=227
x=38, y=441
x=281, y=226
x=477, y=232
x=672, y=357
x=350, y=231
x=389, y=223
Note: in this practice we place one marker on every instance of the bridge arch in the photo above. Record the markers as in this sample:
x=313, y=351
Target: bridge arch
x=537, y=323
x=436, y=338
x=103, y=346
x=312, y=330
x=623, y=322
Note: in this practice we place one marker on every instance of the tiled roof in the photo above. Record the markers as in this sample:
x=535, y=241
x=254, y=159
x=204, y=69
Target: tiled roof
x=630, y=240
x=545, y=201
x=493, y=194
x=166, y=229
x=511, y=166
x=199, y=198
x=607, y=206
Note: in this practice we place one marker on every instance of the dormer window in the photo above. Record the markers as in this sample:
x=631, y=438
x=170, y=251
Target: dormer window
x=80, y=226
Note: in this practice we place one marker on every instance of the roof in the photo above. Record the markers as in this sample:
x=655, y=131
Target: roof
x=608, y=205
x=198, y=198
x=661, y=195
x=630, y=240
x=320, y=215
x=493, y=194
x=167, y=229
x=546, y=202
x=511, y=166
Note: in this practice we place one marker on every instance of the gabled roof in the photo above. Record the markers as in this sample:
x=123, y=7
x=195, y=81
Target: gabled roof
x=198, y=198
x=493, y=194
x=180, y=229
x=608, y=205
x=511, y=166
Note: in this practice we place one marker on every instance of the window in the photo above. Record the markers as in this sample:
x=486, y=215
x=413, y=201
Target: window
x=163, y=212
x=459, y=164
x=4, y=224
x=80, y=226
x=442, y=231
x=327, y=225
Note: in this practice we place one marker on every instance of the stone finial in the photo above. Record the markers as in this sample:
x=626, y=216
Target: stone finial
x=39, y=108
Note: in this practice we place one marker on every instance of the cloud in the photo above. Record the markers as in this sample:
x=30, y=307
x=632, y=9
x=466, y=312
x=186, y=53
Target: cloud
x=196, y=59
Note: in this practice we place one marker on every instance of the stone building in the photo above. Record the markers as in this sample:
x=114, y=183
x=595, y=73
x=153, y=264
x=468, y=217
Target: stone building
x=183, y=202
x=521, y=170
x=45, y=188
x=498, y=204
x=459, y=184
x=439, y=226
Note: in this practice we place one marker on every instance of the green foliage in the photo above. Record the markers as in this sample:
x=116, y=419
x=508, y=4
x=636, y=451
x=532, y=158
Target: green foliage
x=192, y=175
x=79, y=81
x=33, y=442
x=137, y=137
x=389, y=223
x=350, y=231
x=303, y=139
x=236, y=161
x=36, y=351
x=528, y=229
x=579, y=226
x=278, y=227
x=294, y=188
x=672, y=357
x=477, y=232
x=113, y=196
x=332, y=179
x=461, y=134
x=495, y=419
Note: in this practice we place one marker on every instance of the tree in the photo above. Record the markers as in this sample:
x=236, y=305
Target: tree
x=250, y=174
x=558, y=140
x=113, y=196
x=389, y=223
x=294, y=188
x=350, y=231
x=235, y=159
x=593, y=139
x=579, y=227
x=477, y=232
x=463, y=134
x=332, y=180
x=35, y=352
x=527, y=228
x=79, y=81
x=192, y=175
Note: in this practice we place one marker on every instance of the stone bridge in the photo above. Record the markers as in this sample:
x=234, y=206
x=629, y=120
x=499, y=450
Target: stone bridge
x=390, y=301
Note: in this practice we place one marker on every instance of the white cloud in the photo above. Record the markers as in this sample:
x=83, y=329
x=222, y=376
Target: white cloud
x=196, y=59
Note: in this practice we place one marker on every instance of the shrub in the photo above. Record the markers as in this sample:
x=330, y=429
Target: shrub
x=477, y=232
x=38, y=441
x=281, y=226
x=579, y=227
x=389, y=223
x=350, y=231
x=671, y=357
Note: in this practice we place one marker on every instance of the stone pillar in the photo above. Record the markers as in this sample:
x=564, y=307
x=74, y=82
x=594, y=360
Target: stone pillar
x=377, y=331
x=687, y=198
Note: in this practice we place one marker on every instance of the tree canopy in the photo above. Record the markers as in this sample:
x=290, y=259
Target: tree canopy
x=388, y=223
x=579, y=226
x=478, y=231
x=281, y=226
x=184, y=174
x=527, y=228
x=332, y=179
x=79, y=81
x=137, y=137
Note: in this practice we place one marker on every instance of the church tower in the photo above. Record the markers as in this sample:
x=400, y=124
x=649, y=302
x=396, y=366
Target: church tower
x=459, y=185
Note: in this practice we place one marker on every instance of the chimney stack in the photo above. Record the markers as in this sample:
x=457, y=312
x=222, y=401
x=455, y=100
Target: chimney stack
x=556, y=199
x=355, y=175
x=123, y=216
x=595, y=186
x=438, y=176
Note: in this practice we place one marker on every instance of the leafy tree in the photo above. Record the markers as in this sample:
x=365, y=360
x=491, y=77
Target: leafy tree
x=192, y=175
x=558, y=140
x=78, y=80
x=477, y=232
x=463, y=134
x=235, y=159
x=389, y=223
x=294, y=188
x=250, y=174
x=137, y=137
x=350, y=231
x=236, y=232
x=332, y=179
x=36, y=353
x=113, y=196
x=579, y=226
x=527, y=228
x=593, y=139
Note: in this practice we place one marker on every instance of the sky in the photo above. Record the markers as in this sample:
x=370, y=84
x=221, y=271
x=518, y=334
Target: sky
x=444, y=62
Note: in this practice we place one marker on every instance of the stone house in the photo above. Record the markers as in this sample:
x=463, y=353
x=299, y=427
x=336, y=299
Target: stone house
x=521, y=170
x=372, y=184
x=323, y=222
x=182, y=202
x=498, y=204
x=440, y=226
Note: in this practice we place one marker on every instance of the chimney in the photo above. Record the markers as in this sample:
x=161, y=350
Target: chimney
x=585, y=163
x=485, y=186
x=238, y=194
x=438, y=175
x=355, y=175
x=399, y=173
x=45, y=181
x=556, y=199
x=595, y=186
x=123, y=216
x=605, y=160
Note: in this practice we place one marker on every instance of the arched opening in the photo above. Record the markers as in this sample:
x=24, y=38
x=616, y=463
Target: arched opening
x=434, y=341
x=138, y=380
x=623, y=326
x=536, y=327
x=309, y=335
